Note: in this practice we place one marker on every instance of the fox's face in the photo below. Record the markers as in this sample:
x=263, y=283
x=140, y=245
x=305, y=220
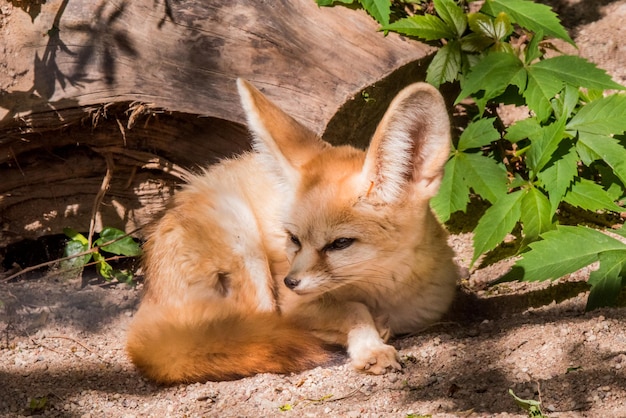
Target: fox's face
x=328, y=240
x=330, y=249
x=339, y=232
x=353, y=212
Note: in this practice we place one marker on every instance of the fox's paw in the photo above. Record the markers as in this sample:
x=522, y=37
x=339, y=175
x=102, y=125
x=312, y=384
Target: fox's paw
x=376, y=360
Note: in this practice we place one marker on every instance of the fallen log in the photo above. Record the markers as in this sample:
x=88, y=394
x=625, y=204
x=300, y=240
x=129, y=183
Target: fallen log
x=149, y=85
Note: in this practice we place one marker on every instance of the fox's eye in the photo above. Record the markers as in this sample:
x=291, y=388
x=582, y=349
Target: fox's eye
x=294, y=240
x=339, y=244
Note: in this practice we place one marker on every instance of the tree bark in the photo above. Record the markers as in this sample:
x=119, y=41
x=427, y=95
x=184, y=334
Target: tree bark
x=150, y=86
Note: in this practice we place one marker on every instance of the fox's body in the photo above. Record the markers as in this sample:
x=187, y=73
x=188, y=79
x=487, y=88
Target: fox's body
x=264, y=259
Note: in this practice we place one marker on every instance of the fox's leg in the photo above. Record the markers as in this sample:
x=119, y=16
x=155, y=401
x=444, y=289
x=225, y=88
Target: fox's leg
x=351, y=324
x=366, y=348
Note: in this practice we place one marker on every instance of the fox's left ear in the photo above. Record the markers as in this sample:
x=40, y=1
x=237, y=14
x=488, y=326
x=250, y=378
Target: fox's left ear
x=410, y=147
x=283, y=141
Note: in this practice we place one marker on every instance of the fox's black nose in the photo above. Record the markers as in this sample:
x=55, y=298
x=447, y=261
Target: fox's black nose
x=291, y=283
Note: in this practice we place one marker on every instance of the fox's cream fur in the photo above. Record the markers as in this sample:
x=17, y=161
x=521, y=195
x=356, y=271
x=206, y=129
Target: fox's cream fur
x=265, y=259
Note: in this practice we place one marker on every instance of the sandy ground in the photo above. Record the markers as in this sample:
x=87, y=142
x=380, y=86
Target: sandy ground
x=62, y=347
x=65, y=347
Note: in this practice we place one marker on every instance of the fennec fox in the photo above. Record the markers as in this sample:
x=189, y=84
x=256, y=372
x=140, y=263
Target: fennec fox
x=264, y=260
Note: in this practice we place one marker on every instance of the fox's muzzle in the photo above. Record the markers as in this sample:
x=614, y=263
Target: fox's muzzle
x=291, y=283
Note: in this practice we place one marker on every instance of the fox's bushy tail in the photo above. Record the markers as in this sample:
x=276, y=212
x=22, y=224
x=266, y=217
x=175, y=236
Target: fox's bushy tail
x=187, y=345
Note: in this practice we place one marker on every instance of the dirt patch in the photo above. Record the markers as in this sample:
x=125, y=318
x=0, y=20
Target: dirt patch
x=66, y=346
x=63, y=346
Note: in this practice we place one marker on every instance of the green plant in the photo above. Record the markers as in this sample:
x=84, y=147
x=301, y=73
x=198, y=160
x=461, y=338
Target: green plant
x=531, y=406
x=114, y=241
x=37, y=405
x=286, y=407
x=569, y=151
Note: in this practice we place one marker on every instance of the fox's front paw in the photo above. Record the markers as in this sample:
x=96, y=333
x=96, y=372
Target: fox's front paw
x=376, y=360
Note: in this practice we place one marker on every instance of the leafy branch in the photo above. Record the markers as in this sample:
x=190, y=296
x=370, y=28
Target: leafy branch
x=79, y=252
x=568, y=152
x=72, y=252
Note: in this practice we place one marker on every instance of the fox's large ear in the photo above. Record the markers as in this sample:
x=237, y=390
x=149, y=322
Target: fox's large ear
x=410, y=146
x=277, y=135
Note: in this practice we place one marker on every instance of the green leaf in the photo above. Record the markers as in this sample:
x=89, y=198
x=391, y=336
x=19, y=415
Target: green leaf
x=587, y=155
x=621, y=231
x=482, y=24
x=532, y=16
x=484, y=175
x=446, y=64
x=331, y=2
x=606, y=116
x=478, y=134
x=498, y=220
x=503, y=47
x=610, y=182
x=123, y=245
x=570, y=98
x=73, y=248
x=563, y=251
x=453, y=193
x=541, y=88
x=536, y=214
x=565, y=103
x=543, y=146
x=104, y=269
x=525, y=404
x=558, y=177
x=609, y=150
x=472, y=60
x=378, y=9
x=606, y=281
x=574, y=70
x=517, y=181
x=78, y=244
x=75, y=235
x=587, y=195
x=591, y=95
x=427, y=27
x=497, y=29
x=525, y=128
x=37, y=405
x=285, y=407
x=493, y=74
x=452, y=15
x=123, y=276
x=532, y=51
x=502, y=26
x=475, y=42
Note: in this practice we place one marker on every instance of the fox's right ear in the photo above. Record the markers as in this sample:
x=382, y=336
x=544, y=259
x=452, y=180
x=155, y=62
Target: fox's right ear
x=284, y=141
x=410, y=146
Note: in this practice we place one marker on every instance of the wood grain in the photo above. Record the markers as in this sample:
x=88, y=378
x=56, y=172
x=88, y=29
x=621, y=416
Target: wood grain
x=158, y=77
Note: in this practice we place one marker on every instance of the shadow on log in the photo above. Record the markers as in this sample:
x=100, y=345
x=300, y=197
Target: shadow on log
x=151, y=84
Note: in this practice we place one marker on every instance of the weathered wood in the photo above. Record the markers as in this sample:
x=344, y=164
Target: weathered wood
x=47, y=187
x=158, y=77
